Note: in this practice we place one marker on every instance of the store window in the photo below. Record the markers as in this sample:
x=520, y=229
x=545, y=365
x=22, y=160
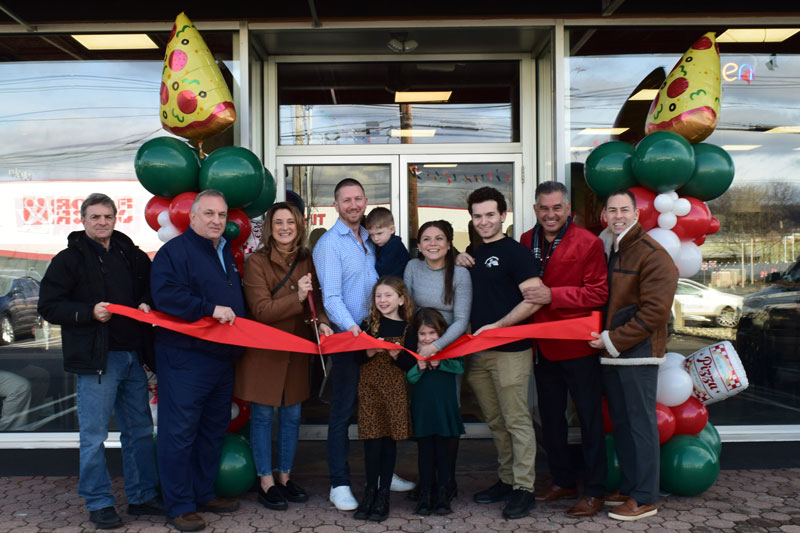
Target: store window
x=394, y=102
x=69, y=128
x=746, y=291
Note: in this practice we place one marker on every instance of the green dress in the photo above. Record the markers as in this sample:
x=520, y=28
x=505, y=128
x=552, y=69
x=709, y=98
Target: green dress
x=434, y=405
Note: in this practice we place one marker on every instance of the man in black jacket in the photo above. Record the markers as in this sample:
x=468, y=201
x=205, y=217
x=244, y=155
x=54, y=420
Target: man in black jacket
x=102, y=266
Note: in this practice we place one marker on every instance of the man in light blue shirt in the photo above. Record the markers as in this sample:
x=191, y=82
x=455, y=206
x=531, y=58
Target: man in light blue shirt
x=344, y=259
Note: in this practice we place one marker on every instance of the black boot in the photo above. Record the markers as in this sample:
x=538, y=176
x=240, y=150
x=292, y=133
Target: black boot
x=452, y=490
x=364, y=508
x=380, y=510
x=442, y=502
x=425, y=502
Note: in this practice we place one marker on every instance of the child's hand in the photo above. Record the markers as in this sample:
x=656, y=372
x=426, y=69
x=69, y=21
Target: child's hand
x=422, y=364
x=428, y=350
x=394, y=353
x=371, y=352
x=433, y=364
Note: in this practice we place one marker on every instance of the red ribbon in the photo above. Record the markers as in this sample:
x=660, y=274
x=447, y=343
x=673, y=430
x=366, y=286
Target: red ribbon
x=252, y=334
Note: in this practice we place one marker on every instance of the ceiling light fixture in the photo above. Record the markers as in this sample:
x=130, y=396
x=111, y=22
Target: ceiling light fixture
x=440, y=165
x=412, y=133
x=784, y=129
x=404, y=97
x=115, y=41
x=579, y=148
x=603, y=131
x=401, y=44
x=740, y=147
x=645, y=94
x=756, y=35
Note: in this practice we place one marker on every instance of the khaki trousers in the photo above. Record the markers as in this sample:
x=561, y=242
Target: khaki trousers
x=500, y=382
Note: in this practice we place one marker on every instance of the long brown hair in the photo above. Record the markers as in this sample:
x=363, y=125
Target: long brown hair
x=406, y=310
x=448, y=291
x=299, y=242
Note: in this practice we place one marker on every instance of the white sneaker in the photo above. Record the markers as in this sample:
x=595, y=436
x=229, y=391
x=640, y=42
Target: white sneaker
x=401, y=485
x=342, y=497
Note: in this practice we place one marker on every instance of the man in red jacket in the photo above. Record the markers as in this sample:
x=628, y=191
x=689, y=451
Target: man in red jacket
x=573, y=269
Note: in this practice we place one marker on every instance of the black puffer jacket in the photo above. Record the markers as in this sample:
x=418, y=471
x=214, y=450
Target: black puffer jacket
x=71, y=287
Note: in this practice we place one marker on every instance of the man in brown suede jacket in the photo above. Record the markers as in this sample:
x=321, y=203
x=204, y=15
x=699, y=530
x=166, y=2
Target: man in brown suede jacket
x=641, y=285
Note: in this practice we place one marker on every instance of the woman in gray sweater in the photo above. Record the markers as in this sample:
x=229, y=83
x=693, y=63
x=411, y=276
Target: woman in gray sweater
x=435, y=281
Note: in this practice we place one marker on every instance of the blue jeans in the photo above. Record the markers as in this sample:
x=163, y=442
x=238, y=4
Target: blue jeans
x=343, y=405
x=123, y=390
x=261, y=436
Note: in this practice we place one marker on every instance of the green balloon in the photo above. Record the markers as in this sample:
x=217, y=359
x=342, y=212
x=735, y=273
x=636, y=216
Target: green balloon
x=232, y=230
x=237, y=471
x=713, y=173
x=234, y=171
x=710, y=436
x=689, y=465
x=614, y=474
x=264, y=200
x=167, y=167
x=663, y=161
x=608, y=168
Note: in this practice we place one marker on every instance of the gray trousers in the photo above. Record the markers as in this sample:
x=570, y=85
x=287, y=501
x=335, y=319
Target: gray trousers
x=631, y=395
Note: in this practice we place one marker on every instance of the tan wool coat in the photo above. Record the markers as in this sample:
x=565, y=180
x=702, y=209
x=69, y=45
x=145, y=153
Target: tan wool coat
x=268, y=376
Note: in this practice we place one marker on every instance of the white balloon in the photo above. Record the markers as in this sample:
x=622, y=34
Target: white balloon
x=672, y=360
x=667, y=239
x=673, y=195
x=667, y=220
x=674, y=386
x=689, y=260
x=168, y=232
x=663, y=203
x=681, y=207
x=163, y=218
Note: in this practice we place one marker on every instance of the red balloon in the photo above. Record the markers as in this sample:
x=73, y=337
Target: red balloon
x=713, y=226
x=155, y=206
x=608, y=427
x=666, y=422
x=648, y=216
x=700, y=240
x=690, y=417
x=179, y=209
x=238, y=256
x=238, y=217
x=240, y=414
x=694, y=224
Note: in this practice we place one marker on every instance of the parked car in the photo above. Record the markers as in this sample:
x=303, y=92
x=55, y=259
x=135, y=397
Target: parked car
x=768, y=339
x=19, y=292
x=704, y=304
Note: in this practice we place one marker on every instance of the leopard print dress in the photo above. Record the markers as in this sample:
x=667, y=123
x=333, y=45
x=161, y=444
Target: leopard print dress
x=383, y=404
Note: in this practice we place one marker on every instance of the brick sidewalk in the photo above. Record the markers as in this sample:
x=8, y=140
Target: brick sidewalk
x=741, y=501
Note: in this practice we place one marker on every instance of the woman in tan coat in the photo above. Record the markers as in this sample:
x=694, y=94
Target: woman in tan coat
x=277, y=281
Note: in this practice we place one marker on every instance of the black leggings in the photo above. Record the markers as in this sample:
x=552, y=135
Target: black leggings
x=379, y=457
x=436, y=460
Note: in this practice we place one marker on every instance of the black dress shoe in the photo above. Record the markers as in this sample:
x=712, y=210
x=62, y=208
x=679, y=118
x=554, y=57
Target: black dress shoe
x=519, y=504
x=452, y=490
x=364, y=508
x=105, y=518
x=424, y=502
x=292, y=492
x=380, y=510
x=499, y=492
x=442, y=502
x=272, y=498
x=153, y=507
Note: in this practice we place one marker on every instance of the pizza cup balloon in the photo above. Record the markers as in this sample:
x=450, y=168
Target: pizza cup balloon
x=713, y=173
x=167, y=166
x=663, y=161
x=195, y=100
x=234, y=171
x=688, y=101
x=608, y=168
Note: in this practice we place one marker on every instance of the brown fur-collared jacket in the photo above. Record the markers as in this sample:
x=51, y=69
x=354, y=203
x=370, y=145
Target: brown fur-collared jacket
x=641, y=280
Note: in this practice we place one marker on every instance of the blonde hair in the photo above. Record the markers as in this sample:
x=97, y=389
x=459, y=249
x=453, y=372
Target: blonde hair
x=406, y=309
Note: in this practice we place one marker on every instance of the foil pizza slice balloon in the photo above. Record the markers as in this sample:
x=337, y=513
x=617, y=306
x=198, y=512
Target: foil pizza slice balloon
x=688, y=101
x=195, y=100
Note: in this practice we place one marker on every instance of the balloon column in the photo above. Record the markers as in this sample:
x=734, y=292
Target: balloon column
x=690, y=444
x=669, y=171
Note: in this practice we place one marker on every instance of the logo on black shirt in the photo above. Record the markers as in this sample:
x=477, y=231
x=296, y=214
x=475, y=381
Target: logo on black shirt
x=492, y=261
